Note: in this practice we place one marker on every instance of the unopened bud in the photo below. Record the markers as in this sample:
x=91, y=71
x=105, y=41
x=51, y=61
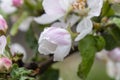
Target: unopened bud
x=3, y=24
x=17, y=3
x=5, y=63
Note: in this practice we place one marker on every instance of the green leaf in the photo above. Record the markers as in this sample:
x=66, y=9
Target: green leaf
x=100, y=42
x=26, y=78
x=15, y=26
x=20, y=73
x=116, y=21
x=50, y=74
x=112, y=37
x=88, y=48
x=107, y=10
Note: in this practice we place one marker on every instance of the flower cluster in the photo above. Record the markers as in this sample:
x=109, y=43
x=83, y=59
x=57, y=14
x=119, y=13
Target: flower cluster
x=5, y=63
x=65, y=26
x=80, y=11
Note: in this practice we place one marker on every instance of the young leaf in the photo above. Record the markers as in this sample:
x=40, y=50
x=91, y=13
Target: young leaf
x=112, y=37
x=50, y=74
x=100, y=42
x=107, y=10
x=15, y=26
x=88, y=47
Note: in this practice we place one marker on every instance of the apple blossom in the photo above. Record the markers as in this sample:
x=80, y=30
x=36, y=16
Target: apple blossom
x=85, y=26
x=114, y=54
x=5, y=63
x=18, y=49
x=55, y=40
x=3, y=43
x=61, y=8
x=3, y=24
x=57, y=10
x=17, y=3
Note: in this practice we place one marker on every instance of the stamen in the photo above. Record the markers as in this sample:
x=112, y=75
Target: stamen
x=79, y=4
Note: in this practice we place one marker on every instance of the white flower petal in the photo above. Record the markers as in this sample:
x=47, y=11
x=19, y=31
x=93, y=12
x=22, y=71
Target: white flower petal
x=110, y=66
x=17, y=48
x=95, y=7
x=46, y=47
x=61, y=52
x=52, y=7
x=46, y=19
x=6, y=6
x=59, y=24
x=55, y=40
x=102, y=55
x=84, y=28
x=65, y=4
x=118, y=71
x=3, y=43
x=8, y=9
x=24, y=26
x=72, y=19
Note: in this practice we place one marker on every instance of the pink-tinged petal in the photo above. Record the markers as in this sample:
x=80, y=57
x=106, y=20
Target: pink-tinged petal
x=84, y=28
x=3, y=43
x=46, y=19
x=52, y=7
x=17, y=3
x=58, y=36
x=55, y=40
x=3, y=24
x=95, y=7
x=24, y=26
x=114, y=54
x=5, y=63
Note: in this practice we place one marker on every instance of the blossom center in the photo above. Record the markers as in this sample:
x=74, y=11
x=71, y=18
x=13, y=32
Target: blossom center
x=79, y=5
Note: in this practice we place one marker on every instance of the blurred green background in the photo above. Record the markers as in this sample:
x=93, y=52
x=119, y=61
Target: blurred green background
x=68, y=69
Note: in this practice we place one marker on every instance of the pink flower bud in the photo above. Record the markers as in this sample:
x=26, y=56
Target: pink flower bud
x=5, y=63
x=3, y=24
x=115, y=54
x=55, y=40
x=17, y=3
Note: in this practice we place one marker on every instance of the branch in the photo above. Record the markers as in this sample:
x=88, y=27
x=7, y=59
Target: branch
x=43, y=66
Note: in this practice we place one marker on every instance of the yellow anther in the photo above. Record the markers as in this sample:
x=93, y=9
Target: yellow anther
x=79, y=4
